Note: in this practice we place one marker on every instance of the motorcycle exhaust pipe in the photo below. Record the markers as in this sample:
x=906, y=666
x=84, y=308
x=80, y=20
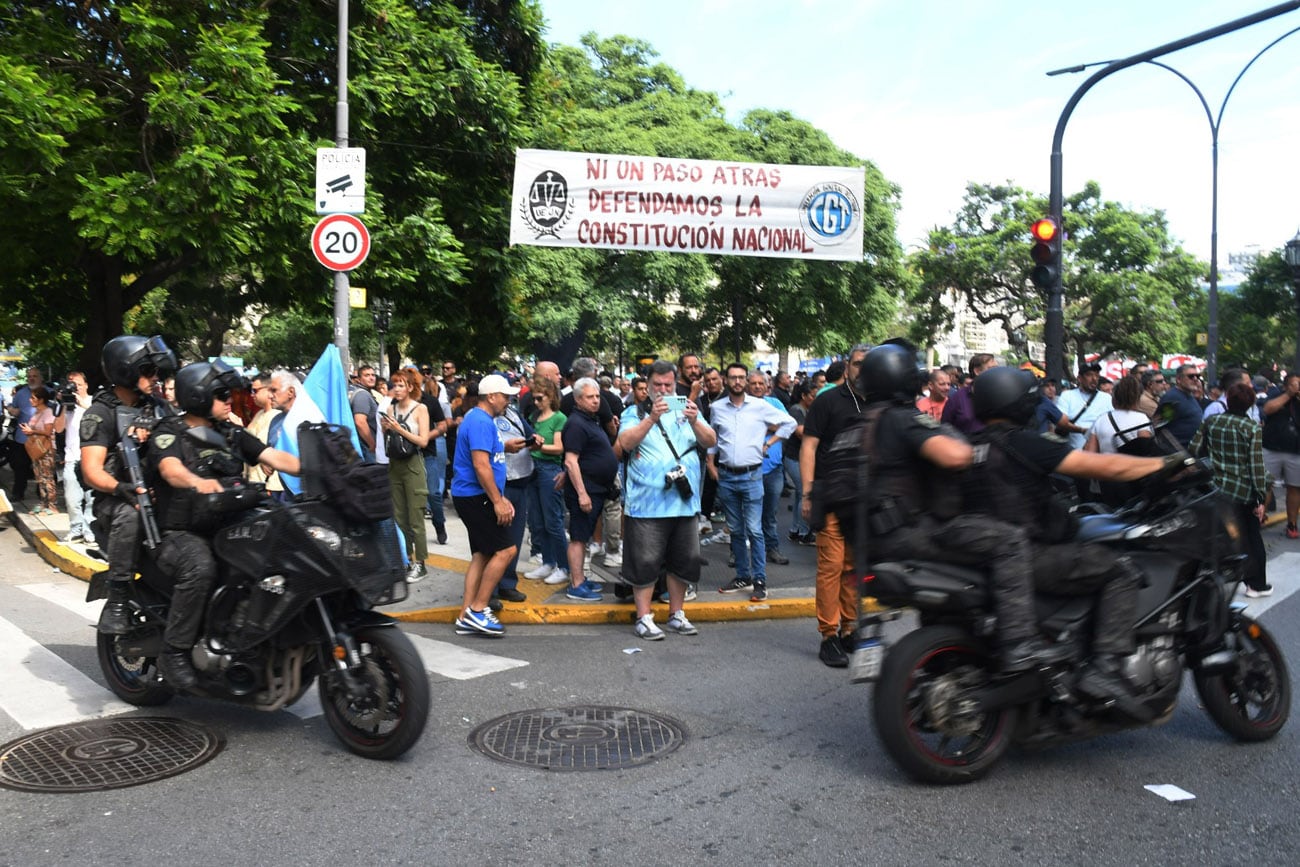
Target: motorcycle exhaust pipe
x=241, y=679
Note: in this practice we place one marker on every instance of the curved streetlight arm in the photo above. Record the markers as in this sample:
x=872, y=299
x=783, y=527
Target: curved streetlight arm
x=1055, y=324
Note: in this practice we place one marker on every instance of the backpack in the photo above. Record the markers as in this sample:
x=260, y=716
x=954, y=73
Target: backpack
x=333, y=471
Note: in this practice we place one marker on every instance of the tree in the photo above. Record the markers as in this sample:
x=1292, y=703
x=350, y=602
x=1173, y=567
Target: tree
x=1129, y=288
x=1257, y=323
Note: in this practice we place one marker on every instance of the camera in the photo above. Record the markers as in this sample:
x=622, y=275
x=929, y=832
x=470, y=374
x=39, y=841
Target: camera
x=676, y=478
x=65, y=393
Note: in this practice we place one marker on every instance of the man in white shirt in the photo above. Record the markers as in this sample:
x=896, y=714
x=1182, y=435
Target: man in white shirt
x=68, y=423
x=1082, y=406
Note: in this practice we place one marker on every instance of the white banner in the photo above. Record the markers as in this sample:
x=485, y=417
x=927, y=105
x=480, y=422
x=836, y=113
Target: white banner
x=613, y=202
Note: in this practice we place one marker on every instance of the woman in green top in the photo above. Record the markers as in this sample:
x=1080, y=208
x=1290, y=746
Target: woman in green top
x=542, y=495
x=1236, y=447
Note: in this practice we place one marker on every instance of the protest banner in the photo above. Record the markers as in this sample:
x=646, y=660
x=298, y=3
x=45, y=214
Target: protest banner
x=616, y=202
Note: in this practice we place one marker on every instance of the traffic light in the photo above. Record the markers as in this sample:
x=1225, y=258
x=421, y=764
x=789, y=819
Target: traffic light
x=1046, y=252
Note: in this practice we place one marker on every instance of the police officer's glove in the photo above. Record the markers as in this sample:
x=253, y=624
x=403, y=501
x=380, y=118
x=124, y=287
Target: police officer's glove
x=1172, y=464
x=126, y=491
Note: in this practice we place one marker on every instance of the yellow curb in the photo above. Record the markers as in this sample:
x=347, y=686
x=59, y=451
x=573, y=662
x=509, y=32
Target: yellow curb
x=601, y=613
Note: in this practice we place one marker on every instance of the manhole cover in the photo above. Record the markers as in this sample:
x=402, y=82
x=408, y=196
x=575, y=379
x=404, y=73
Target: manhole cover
x=105, y=754
x=578, y=738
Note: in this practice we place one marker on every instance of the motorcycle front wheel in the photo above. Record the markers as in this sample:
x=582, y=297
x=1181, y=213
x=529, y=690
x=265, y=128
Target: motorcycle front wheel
x=919, y=713
x=389, y=718
x=1252, y=701
x=134, y=679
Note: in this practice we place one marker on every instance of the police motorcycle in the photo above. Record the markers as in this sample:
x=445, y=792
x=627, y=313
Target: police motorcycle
x=945, y=713
x=293, y=604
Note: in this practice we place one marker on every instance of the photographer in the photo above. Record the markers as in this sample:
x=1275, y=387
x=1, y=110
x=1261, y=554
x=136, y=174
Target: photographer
x=75, y=398
x=661, y=497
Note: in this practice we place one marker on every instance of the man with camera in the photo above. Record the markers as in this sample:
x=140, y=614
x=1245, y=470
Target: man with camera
x=75, y=399
x=661, y=440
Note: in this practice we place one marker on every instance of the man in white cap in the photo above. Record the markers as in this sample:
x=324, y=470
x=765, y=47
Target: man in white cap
x=478, y=484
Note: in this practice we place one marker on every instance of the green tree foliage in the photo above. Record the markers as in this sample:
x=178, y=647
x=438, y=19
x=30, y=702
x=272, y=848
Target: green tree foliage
x=170, y=143
x=1257, y=323
x=1128, y=287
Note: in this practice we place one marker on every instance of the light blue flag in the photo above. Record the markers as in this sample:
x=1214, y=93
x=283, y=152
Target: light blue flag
x=323, y=397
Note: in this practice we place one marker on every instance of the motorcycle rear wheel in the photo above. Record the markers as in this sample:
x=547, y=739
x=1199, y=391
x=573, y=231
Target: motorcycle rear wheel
x=134, y=679
x=920, y=670
x=1253, y=701
x=391, y=717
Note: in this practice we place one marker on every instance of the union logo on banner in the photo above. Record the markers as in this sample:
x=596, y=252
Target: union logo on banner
x=548, y=206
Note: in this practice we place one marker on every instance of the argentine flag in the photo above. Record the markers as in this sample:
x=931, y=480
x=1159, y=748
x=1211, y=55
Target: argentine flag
x=323, y=397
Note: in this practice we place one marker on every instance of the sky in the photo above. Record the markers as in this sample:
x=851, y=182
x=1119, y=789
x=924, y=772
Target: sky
x=942, y=93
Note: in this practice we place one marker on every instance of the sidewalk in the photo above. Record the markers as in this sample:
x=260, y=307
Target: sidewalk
x=437, y=598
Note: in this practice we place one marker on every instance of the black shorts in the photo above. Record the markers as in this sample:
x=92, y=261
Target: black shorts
x=582, y=525
x=486, y=536
x=653, y=545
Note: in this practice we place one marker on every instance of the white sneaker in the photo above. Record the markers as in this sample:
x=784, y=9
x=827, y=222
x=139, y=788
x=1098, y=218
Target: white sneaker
x=613, y=558
x=536, y=558
x=593, y=548
x=645, y=628
x=558, y=576
x=539, y=573
x=679, y=624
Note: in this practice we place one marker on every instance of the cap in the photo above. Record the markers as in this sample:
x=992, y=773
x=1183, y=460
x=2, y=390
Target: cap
x=495, y=383
x=1090, y=368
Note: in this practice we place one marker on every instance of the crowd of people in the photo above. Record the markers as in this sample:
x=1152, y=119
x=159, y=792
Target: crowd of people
x=636, y=472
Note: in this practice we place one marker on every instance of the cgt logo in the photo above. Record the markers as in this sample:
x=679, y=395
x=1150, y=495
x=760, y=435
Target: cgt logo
x=829, y=213
x=547, y=207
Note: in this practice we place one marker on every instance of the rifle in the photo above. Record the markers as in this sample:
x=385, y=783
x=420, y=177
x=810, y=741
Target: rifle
x=131, y=460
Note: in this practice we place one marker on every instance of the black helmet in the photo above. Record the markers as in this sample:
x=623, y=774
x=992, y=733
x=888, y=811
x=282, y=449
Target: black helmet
x=890, y=372
x=1005, y=392
x=196, y=383
x=127, y=358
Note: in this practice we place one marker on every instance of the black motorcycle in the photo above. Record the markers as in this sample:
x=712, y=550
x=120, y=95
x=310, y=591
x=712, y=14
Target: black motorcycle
x=946, y=715
x=293, y=604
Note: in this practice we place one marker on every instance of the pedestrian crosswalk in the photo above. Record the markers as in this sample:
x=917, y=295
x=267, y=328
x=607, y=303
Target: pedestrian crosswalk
x=49, y=673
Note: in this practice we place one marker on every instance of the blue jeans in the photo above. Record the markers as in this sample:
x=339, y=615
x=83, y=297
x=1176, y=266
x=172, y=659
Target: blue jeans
x=518, y=497
x=798, y=525
x=773, y=483
x=78, y=501
x=435, y=467
x=742, y=502
x=549, y=505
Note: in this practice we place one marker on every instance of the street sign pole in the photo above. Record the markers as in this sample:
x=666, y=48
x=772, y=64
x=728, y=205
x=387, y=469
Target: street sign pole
x=341, y=306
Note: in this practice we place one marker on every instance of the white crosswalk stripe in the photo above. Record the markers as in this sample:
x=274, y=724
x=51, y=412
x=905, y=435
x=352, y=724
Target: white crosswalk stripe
x=38, y=688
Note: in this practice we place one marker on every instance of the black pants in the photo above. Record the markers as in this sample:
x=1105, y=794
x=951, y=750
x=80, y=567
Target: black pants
x=117, y=533
x=1078, y=569
x=978, y=541
x=187, y=558
x=21, y=464
x=1256, y=577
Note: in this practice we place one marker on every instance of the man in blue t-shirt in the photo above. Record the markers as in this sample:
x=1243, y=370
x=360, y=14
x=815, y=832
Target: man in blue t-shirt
x=661, y=496
x=1179, y=408
x=478, y=486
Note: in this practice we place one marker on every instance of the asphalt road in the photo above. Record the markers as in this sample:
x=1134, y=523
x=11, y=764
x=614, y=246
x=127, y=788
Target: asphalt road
x=780, y=764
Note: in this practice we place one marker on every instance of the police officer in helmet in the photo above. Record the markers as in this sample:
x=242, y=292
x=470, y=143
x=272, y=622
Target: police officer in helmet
x=1010, y=481
x=913, y=501
x=193, y=455
x=133, y=366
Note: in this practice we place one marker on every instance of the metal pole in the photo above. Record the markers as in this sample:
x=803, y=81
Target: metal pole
x=1054, y=326
x=342, y=308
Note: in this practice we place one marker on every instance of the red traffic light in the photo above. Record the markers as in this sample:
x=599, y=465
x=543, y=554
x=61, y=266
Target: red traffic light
x=1044, y=230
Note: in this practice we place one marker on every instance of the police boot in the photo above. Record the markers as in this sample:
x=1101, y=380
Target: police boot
x=175, y=666
x=1103, y=680
x=1030, y=654
x=116, y=618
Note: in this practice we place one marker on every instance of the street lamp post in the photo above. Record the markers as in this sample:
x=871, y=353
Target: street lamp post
x=1216, y=123
x=1291, y=253
x=383, y=315
x=1054, y=325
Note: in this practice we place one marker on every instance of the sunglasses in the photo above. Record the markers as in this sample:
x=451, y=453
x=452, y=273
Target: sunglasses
x=148, y=369
x=222, y=394
x=1158, y=381
x=1193, y=376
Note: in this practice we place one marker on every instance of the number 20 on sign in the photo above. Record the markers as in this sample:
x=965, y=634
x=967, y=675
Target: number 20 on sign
x=340, y=242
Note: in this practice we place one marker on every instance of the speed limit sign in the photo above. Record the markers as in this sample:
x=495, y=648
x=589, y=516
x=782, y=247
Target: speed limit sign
x=340, y=242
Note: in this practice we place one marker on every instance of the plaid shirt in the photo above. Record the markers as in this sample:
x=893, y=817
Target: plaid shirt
x=1236, y=447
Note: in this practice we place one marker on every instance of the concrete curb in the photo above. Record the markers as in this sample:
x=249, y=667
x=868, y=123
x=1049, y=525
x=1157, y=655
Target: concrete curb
x=530, y=612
